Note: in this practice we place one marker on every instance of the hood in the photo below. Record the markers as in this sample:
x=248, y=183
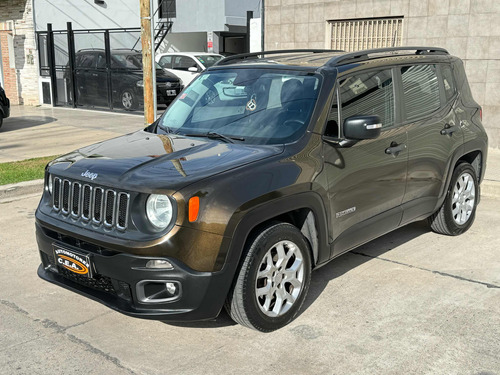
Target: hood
x=147, y=162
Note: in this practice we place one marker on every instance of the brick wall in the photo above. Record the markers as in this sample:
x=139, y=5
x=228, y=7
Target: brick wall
x=9, y=74
x=469, y=29
x=16, y=20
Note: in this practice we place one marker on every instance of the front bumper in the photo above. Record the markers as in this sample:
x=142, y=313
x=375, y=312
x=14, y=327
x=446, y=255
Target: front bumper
x=121, y=282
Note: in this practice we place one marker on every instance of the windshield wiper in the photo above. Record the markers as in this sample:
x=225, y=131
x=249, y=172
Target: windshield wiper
x=215, y=135
x=165, y=128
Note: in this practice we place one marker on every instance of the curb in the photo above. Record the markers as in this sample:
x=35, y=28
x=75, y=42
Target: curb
x=21, y=188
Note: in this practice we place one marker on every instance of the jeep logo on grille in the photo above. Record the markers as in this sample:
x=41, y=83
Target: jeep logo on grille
x=90, y=175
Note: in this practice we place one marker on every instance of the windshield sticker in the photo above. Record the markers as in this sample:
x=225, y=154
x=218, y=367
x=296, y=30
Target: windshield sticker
x=358, y=87
x=251, y=105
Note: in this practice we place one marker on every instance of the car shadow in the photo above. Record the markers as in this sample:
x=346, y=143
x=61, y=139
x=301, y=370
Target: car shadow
x=24, y=122
x=350, y=260
x=336, y=268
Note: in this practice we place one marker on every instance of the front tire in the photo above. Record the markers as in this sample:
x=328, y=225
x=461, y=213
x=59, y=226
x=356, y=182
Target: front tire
x=273, y=280
x=458, y=211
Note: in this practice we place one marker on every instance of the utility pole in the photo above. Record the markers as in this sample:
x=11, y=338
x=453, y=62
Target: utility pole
x=147, y=62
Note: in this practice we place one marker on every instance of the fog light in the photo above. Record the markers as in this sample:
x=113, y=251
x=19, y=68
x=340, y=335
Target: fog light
x=159, y=264
x=171, y=288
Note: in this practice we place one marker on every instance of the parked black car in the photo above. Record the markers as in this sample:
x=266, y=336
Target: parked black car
x=262, y=170
x=91, y=75
x=4, y=106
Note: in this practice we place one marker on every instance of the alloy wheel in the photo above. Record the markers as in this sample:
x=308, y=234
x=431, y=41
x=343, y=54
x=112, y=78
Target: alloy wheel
x=280, y=278
x=464, y=196
x=127, y=100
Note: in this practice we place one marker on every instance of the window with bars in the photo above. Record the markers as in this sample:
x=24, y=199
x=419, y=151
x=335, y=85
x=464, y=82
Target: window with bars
x=367, y=33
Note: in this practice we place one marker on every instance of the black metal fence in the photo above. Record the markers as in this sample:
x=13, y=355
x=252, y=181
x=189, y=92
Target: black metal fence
x=92, y=68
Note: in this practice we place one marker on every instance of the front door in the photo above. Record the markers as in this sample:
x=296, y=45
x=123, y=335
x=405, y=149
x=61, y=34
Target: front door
x=366, y=182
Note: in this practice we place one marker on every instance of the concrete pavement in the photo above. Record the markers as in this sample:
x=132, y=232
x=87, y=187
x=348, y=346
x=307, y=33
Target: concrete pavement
x=411, y=302
x=43, y=131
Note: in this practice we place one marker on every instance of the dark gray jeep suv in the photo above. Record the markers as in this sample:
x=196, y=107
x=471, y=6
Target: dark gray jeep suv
x=266, y=167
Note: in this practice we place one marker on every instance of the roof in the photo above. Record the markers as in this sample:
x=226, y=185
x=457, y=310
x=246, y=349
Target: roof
x=318, y=58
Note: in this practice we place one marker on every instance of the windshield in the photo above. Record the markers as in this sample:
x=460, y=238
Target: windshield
x=209, y=60
x=259, y=106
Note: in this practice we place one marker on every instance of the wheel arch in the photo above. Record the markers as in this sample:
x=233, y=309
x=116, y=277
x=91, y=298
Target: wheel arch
x=306, y=211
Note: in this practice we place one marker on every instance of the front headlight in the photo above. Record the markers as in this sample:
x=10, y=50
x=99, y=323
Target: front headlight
x=159, y=210
x=139, y=83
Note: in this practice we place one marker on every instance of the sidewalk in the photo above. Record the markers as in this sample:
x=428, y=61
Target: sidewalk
x=32, y=132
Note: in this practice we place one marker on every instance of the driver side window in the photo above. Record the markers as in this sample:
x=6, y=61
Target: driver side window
x=368, y=93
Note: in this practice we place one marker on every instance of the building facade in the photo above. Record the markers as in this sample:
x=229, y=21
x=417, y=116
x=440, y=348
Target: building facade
x=18, y=56
x=469, y=29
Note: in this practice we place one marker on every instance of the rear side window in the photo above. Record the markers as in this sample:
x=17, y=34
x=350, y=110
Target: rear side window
x=448, y=82
x=368, y=93
x=421, y=90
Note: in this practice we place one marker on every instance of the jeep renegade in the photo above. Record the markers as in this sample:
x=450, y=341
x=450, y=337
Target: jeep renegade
x=266, y=167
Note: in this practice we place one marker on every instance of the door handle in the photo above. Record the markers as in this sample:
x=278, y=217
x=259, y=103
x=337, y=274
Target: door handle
x=395, y=149
x=448, y=130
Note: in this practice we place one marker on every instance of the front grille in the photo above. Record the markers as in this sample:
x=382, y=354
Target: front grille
x=99, y=282
x=169, y=85
x=100, y=205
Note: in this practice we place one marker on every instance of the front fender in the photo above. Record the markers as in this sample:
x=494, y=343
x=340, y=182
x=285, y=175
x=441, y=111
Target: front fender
x=247, y=218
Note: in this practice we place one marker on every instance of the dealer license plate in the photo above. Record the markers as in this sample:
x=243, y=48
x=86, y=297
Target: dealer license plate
x=171, y=93
x=73, y=261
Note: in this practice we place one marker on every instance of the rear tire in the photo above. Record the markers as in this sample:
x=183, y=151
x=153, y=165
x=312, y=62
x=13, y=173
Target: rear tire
x=273, y=280
x=458, y=211
x=129, y=100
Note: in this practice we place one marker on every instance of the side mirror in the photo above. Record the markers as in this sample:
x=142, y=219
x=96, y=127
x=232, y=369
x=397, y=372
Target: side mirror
x=193, y=69
x=362, y=127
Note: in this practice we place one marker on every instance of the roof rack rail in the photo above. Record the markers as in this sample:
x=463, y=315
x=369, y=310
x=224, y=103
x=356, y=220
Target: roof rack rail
x=363, y=55
x=243, y=56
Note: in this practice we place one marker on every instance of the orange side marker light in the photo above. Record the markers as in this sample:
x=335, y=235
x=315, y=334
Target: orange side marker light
x=194, y=208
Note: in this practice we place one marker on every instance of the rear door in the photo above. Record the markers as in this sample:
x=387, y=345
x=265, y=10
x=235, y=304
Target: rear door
x=366, y=183
x=429, y=101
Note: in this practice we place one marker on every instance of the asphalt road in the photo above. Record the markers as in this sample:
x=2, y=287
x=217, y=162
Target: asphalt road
x=411, y=302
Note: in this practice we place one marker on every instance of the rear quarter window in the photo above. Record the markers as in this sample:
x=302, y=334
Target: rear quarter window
x=448, y=82
x=421, y=90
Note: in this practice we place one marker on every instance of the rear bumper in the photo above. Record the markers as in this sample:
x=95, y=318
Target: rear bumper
x=121, y=282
